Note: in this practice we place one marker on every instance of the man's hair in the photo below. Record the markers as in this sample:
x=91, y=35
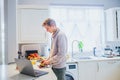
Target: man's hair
x=49, y=22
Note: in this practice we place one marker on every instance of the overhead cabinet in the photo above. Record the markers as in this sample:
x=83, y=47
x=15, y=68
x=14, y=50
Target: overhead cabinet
x=112, y=24
x=30, y=28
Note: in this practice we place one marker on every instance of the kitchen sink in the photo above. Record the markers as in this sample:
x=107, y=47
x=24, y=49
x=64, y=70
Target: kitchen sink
x=85, y=57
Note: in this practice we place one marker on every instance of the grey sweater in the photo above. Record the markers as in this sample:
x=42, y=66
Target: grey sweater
x=58, y=49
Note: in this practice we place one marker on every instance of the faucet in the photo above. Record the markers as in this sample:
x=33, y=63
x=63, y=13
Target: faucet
x=72, y=45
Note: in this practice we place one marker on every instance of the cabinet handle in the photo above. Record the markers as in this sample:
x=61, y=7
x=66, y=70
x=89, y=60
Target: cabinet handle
x=116, y=25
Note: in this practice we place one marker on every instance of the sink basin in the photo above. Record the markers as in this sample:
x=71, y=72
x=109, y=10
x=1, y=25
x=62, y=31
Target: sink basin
x=85, y=57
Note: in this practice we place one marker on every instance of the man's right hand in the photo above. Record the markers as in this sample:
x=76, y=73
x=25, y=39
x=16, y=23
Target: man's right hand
x=42, y=65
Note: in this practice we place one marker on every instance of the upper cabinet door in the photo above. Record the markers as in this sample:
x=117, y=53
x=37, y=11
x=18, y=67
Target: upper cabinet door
x=112, y=24
x=30, y=28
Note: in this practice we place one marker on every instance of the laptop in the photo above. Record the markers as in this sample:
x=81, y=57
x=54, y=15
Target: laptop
x=25, y=67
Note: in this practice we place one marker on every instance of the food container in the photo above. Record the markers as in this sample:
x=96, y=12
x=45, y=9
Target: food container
x=33, y=62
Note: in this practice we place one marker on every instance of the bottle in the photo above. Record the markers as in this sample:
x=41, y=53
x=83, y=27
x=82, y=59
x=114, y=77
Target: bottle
x=19, y=55
x=94, y=51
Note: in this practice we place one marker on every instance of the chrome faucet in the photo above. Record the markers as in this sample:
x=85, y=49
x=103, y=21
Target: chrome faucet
x=72, y=45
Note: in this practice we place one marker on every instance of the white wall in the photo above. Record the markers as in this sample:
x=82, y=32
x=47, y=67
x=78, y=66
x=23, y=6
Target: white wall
x=106, y=3
x=10, y=30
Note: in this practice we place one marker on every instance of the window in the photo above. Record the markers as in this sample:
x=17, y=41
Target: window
x=82, y=23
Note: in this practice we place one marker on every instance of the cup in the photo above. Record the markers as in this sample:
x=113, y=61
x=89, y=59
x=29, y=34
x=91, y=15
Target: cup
x=33, y=62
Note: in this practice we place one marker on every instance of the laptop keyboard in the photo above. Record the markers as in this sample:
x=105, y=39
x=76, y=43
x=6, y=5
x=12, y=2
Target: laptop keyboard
x=39, y=73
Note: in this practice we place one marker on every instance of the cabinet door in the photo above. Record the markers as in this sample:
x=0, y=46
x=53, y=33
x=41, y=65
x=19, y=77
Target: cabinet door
x=112, y=20
x=118, y=70
x=87, y=70
x=30, y=25
x=108, y=70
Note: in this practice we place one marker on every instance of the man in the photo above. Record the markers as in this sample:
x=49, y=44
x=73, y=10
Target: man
x=58, y=49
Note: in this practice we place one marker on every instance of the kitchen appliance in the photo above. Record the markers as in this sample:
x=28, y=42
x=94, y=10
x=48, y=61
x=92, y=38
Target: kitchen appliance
x=30, y=48
x=118, y=50
x=28, y=52
x=71, y=71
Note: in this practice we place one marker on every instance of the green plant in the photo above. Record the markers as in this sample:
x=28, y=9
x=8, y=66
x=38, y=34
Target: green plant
x=80, y=45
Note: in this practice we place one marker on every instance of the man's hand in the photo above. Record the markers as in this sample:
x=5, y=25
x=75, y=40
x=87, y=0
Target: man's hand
x=44, y=63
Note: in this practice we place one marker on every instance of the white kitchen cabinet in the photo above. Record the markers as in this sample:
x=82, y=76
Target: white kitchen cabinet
x=112, y=18
x=87, y=70
x=30, y=28
x=108, y=70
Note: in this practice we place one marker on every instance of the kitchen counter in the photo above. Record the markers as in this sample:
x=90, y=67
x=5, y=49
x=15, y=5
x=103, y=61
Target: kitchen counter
x=91, y=58
x=9, y=72
x=99, y=68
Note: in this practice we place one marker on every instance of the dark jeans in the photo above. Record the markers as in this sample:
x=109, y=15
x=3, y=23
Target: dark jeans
x=60, y=73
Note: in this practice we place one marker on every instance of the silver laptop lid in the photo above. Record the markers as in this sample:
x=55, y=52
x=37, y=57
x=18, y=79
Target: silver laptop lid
x=25, y=66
